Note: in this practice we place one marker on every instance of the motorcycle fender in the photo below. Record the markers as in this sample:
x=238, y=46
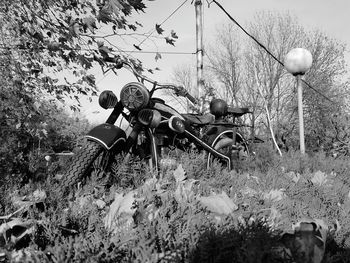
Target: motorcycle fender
x=213, y=133
x=107, y=135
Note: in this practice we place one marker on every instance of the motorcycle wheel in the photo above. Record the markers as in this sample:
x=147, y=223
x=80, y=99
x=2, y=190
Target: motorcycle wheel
x=225, y=144
x=81, y=164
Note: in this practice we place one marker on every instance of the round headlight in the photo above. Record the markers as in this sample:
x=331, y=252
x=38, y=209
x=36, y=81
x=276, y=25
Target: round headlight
x=149, y=117
x=134, y=96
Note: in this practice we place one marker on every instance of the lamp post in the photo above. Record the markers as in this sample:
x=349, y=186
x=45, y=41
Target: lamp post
x=297, y=62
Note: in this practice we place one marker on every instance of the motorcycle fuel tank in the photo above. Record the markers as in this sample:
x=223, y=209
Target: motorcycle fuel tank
x=167, y=111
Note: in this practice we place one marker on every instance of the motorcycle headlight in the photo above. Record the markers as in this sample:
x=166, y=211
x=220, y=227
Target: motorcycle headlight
x=176, y=124
x=134, y=96
x=107, y=99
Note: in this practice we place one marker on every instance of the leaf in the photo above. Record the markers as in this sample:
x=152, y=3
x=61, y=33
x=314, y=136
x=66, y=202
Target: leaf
x=100, y=44
x=138, y=5
x=158, y=56
x=132, y=27
x=275, y=195
x=104, y=51
x=38, y=196
x=320, y=179
x=179, y=174
x=100, y=203
x=184, y=190
x=53, y=46
x=36, y=105
x=90, y=23
x=74, y=29
x=173, y=34
x=104, y=16
x=248, y=192
x=121, y=211
x=20, y=255
x=139, y=24
x=44, y=132
x=220, y=204
x=39, y=36
x=90, y=80
x=86, y=62
x=170, y=41
x=295, y=177
x=62, y=40
x=159, y=29
x=113, y=6
x=137, y=47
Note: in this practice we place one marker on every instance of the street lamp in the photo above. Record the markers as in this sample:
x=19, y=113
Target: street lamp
x=297, y=62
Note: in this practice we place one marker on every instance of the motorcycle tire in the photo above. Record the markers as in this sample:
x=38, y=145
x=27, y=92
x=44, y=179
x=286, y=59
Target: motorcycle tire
x=81, y=164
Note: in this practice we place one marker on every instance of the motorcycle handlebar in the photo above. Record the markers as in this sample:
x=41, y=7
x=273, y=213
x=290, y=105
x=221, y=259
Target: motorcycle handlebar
x=179, y=90
x=191, y=99
x=183, y=92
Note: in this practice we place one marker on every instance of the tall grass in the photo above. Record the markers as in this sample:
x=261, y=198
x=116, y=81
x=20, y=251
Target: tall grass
x=72, y=229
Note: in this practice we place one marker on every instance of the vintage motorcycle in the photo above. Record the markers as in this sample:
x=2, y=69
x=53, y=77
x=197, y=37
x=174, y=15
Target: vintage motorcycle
x=156, y=127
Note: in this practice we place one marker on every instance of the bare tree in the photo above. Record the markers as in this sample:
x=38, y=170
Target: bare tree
x=249, y=76
x=225, y=62
x=184, y=76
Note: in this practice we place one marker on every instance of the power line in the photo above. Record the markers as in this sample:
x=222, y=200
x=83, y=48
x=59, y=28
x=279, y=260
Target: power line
x=119, y=50
x=267, y=51
x=166, y=19
x=162, y=52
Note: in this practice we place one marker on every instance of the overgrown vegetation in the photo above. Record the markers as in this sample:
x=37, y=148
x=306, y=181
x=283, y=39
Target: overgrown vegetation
x=188, y=214
x=170, y=219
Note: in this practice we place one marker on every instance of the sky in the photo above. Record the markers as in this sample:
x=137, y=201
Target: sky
x=329, y=16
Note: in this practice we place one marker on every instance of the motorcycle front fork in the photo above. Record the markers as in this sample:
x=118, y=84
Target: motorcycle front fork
x=142, y=142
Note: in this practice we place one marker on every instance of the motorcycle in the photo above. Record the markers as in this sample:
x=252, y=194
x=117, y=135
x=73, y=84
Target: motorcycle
x=156, y=127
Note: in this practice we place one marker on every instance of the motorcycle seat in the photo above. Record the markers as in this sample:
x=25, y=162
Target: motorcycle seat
x=198, y=119
x=237, y=112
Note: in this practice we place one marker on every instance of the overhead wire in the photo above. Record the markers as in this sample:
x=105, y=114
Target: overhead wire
x=120, y=50
x=267, y=51
x=163, y=52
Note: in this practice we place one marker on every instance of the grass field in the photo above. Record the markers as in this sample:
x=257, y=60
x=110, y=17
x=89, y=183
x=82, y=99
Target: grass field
x=268, y=209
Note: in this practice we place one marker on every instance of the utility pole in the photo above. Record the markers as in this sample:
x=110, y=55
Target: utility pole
x=199, y=40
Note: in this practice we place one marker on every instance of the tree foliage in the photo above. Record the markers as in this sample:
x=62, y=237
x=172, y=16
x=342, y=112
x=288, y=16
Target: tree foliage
x=43, y=38
x=47, y=52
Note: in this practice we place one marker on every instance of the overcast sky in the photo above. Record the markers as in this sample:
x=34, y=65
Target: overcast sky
x=330, y=16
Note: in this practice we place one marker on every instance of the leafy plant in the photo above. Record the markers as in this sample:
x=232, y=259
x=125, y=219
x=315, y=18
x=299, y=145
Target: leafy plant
x=183, y=217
